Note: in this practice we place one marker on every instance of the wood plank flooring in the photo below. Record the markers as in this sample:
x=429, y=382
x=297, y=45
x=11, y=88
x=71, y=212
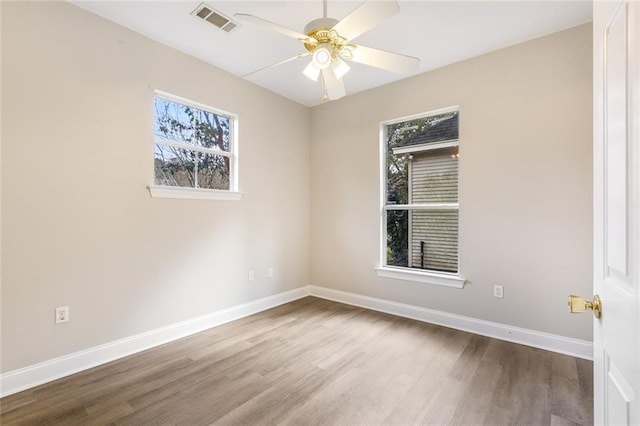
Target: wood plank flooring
x=318, y=362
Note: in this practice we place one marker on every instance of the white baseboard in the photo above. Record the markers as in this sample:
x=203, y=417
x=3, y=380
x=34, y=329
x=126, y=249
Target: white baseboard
x=536, y=339
x=28, y=377
x=34, y=375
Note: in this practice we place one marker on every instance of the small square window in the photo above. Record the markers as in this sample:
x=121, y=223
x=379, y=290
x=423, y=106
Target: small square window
x=195, y=149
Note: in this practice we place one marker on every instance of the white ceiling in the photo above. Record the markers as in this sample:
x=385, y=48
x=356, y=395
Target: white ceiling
x=437, y=32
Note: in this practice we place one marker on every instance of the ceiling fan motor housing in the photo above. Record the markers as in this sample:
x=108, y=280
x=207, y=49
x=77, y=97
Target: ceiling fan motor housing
x=320, y=30
x=320, y=24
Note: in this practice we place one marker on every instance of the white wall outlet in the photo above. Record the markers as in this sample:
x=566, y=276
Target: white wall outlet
x=270, y=272
x=252, y=275
x=62, y=314
x=498, y=291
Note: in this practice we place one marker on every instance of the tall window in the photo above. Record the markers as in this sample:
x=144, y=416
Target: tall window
x=420, y=192
x=194, y=146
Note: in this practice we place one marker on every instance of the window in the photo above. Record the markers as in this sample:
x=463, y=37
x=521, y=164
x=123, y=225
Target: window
x=195, y=152
x=420, y=198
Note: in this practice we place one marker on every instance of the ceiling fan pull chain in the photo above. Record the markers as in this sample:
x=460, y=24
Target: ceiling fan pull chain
x=325, y=95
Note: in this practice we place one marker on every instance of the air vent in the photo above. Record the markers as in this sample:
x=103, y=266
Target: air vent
x=207, y=13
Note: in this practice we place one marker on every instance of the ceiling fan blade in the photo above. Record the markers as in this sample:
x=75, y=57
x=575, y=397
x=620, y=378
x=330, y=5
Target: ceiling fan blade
x=275, y=27
x=335, y=87
x=401, y=64
x=301, y=55
x=366, y=16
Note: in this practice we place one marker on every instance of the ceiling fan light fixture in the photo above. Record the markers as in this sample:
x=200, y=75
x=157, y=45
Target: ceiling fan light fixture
x=322, y=57
x=311, y=71
x=339, y=67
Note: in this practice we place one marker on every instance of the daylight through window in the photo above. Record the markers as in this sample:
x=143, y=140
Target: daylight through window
x=194, y=145
x=421, y=193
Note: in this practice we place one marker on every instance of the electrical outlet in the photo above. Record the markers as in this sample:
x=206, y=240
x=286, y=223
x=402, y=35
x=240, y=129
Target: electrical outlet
x=62, y=314
x=252, y=275
x=498, y=291
x=270, y=272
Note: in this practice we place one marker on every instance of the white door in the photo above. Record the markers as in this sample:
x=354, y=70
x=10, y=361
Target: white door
x=617, y=211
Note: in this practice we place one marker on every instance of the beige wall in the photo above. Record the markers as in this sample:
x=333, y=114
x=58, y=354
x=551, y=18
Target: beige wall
x=525, y=184
x=79, y=227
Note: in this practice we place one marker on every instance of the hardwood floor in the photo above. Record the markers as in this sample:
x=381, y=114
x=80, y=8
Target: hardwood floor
x=313, y=361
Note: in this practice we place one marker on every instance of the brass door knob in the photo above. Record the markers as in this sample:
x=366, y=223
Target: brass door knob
x=578, y=304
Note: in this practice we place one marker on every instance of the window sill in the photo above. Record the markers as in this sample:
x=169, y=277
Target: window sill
x=443, y=279
x=160, y=191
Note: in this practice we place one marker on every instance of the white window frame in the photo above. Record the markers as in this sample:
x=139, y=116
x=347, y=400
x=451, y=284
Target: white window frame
x=165, y=191
x=447, y=279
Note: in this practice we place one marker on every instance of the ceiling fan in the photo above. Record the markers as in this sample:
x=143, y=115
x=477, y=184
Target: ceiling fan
x=328, y=42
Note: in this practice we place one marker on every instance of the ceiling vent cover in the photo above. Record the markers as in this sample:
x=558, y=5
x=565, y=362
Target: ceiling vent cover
x=207, y=13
